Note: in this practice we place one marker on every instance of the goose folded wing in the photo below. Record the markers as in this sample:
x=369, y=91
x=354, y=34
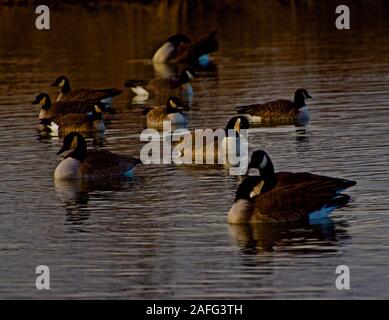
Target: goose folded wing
x=64, y=107
x=91, y=94
x=71, y=119
x=158, y=85
x=277, y=107
x=289, y=178
x=294, y=202
x=206, y=45
x=105, y=161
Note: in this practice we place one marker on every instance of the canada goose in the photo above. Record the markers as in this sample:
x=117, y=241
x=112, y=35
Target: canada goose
x=279, y=111
x=50, y=110
x=179, y=48
x=163, y=87
x=171, y=112
x=79, y=122
x=230, y=141
x=85, y=164
x=66, y=94
x=284, y=196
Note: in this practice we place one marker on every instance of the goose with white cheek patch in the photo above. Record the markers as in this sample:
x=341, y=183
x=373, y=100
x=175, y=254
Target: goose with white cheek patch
x=285, y=197
x=180, y=49
x=163, y=88
x=212, y=143
x=78, y=122
x=81, y=163
x=50, y=110
x=171, y=112
x=279, y=111
x=84, y=94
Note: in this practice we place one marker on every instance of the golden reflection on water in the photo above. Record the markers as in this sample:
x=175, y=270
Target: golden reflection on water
x=164, y=233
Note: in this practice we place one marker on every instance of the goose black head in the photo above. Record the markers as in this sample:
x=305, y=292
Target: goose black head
x=173, y=105
x=300, y=96
x=186, y=75
x=179, y=38
x=237, y=123
x=43, y=100
x=61, y=82
x=73, y=141
x=260, y=162
x=250, y=188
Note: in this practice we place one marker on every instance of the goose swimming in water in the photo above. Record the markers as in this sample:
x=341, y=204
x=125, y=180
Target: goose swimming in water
x=268, y=197
x=279, y=111
x=84, y=94
x=180, y=49
x=163, y=88
x=212, y=146
x=50, y=110
x=79, y=122
x=171, y=112
x=81, y=163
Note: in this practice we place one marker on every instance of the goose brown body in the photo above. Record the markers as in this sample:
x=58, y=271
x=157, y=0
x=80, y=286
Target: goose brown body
x=172, y=112
x=279, y=111
x=215, y=143
x=82, y=94
x=50, y=110
x=89, y=94
x=163, y=88
x=105, y=164
x=296, y=196
x=77, y=122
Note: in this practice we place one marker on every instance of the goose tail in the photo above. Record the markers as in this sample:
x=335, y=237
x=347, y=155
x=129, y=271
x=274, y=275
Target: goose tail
x=206, y=45
x=137, y=86
x=338, y=201
x=53, y=127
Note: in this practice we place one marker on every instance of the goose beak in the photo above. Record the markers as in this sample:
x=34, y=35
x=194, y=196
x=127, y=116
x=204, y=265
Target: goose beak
x=54, y=84
x=309, y=97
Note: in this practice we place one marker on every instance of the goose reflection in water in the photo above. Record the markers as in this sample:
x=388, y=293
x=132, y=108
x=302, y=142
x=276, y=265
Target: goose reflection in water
x=324, y=236
x=75, y=196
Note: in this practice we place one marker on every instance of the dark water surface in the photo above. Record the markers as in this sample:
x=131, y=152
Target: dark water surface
x=164, y=234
